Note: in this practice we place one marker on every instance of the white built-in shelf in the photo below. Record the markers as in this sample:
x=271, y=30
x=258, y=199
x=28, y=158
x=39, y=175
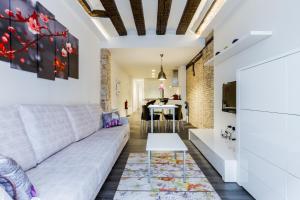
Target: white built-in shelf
x=248, y=40
x=220, y=152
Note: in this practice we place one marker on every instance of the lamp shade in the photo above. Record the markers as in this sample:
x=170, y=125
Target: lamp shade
x=161, y=75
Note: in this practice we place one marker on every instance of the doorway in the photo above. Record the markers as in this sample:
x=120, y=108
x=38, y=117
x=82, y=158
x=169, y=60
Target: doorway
x=138, y=94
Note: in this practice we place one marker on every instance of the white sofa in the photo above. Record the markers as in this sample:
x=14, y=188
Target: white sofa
x=65, y=153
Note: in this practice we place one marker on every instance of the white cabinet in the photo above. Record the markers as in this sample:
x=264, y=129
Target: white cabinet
x=268, y=174
x=293, y=79
x=220, y=152
x=264, y=135
x=293, y=185
x=269, y=128
x=293, y=147
x=263, y=83
x=256, y=187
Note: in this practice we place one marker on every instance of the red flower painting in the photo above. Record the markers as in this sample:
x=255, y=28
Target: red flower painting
x=32, y=40
x=72, y=49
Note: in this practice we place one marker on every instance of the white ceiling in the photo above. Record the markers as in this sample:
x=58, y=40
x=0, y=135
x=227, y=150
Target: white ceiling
x=139, y=62
x=150, y=16
x=138, y=55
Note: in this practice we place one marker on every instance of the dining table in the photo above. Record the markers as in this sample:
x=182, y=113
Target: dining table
x=162, y=107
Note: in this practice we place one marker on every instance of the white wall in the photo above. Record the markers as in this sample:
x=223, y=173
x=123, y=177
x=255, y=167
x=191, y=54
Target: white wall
x=278, y=16
x=23, y=87
x=151, y=89
x=118, y=75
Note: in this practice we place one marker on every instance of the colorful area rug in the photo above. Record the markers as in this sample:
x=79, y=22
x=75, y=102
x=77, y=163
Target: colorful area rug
x=166, y=181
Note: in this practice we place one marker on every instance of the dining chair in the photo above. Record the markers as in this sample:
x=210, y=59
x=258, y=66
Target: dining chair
x=146, y=118
x=178, y=118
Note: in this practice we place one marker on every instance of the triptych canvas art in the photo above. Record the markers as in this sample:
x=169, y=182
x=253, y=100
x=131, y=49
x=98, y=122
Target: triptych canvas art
x=33, y=40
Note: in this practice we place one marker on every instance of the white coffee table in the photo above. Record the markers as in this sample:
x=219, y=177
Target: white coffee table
x=165, y=142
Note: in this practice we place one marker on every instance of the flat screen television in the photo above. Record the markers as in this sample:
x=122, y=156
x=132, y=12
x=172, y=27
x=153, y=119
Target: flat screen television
x=229, y=97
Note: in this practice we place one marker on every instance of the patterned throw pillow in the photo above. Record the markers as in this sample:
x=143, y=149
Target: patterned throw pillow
x=14, y=180
x=111, y=119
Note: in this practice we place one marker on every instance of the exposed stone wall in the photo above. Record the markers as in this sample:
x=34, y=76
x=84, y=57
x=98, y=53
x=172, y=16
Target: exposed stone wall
x=105, y=80
x=200, y=91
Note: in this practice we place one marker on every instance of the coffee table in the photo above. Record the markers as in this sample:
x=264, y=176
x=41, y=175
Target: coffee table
x=165, y=142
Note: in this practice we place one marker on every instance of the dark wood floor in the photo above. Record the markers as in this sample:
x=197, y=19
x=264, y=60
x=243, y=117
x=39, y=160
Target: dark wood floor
x=137, y=143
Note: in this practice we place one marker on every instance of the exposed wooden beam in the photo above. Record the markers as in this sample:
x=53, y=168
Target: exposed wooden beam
x=92, y=13
x=138, y=15
x=163, y=13
x=187, y=16
x=197, y=57
x=194, y=59
x=114, y=15
x=99, y=13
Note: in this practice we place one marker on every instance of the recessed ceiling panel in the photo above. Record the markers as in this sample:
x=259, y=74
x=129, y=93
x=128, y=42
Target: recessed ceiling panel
x=139, y=62
x=150, y=15
x=126, y=15
x=95, y=4
x=175, y=15
x=109, y=27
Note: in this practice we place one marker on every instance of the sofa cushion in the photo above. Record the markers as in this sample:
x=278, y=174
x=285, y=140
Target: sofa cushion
x=91, y=150
x=96, y=113
x=81, y=120
x=48, y=128
x=65, y=183
x=76, y=172
x=114, y=134
x=14, y=141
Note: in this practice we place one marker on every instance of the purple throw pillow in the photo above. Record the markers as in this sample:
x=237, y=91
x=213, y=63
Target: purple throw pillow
x=111, y=119
x=14, y=180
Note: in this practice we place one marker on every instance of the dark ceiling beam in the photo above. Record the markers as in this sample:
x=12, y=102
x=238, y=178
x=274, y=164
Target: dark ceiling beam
x=92, y=13
x=187, y=16
x=163, y=13
x=114, y=15
x=194, y=59
x=138, y=15
x=197, y=57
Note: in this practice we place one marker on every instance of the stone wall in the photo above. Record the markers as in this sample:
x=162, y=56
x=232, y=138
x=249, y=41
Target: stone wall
x=200, y=91
x=105, y=80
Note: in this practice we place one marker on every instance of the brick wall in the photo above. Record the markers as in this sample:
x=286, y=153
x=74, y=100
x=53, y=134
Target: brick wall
x=105, y=80
x=200, y=91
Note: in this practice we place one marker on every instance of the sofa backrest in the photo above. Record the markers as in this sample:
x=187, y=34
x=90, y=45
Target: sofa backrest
x=14, y=142
x=81, y=120
x=96, y=113
x=48, y=128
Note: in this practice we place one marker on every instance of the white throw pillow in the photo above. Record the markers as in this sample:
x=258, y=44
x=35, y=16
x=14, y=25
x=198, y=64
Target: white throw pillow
x=96, y=113
x=48, y=128
x=14, y=142
x=81, y=120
